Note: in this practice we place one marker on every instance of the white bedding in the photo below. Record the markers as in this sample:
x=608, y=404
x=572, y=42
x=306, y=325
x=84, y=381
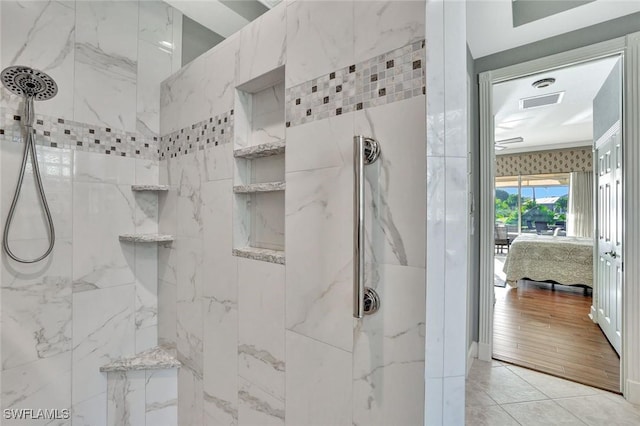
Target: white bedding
x=564, y=260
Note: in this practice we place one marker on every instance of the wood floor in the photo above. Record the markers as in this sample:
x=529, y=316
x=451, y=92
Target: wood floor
x=550, y=331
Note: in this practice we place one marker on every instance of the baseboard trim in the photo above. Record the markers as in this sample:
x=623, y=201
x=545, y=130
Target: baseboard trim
x=632, y=393
x=593, y=314
x=484, y=352
x=471, y=354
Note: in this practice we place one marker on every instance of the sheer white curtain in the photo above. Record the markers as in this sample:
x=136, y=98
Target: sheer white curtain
x=580, y=215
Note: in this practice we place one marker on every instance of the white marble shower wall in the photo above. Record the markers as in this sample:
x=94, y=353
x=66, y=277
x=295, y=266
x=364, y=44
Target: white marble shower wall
x=263, y=343
x=94, y=299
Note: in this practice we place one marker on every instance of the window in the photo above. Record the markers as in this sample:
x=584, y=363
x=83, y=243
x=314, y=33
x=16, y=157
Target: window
x=532, y=204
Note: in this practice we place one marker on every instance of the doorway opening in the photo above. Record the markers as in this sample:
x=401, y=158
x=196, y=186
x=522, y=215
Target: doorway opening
x=558, y=290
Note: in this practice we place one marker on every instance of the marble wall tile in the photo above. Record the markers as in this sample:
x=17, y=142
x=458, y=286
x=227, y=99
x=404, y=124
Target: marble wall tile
x=201, y=89
x=457, y=208
x=453, y=391
x=262, y=45
x=45, y=383
x=167, y=313
x=436, y=239
x=218, y=162
x=190, y=402
x=257, y=407
x=189, y=331
x=161, y=397
x=397, y=203
x=318, y=210
x=381, y=26
x=388, y=351
x=91, y=412
x=28, y=221
x=220, y=362
x=106, y=64
x=261, y=346
x=154, y=66
x=324, y=28
x=320, y=144
x=267, y=115
x=103, y=330
x=146, y=211
x=155, y=23
x=94, y=168
x=147, y=171
x=220, y=269
x=101, y=212
x=146, y=302
x=189, y=203
x=267, y=220
x=319, y=387
x=41, y=35
x=126, y=398
x=36, y=299
x=435, y=75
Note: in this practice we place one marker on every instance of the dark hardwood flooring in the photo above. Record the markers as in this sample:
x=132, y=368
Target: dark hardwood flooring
x=550, y=331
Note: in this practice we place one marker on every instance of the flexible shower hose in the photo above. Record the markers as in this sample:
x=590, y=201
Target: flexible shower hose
x=29, y=147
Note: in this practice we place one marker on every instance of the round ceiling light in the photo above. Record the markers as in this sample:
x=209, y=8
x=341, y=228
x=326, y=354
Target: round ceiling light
x=542, y=83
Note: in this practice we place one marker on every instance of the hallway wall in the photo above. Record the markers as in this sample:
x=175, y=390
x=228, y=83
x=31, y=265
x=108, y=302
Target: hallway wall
x=94, y=299
x=268, y=343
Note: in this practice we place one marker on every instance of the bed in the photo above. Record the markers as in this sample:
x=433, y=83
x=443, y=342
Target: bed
x=559, y=260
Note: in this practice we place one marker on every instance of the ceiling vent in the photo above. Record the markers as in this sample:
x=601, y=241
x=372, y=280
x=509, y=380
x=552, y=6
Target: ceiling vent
x=541, y=101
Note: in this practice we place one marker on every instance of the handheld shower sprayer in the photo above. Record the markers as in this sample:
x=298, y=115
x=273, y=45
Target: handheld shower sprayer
x=33, y=85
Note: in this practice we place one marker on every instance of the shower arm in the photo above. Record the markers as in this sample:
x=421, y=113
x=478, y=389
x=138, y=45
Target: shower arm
x=365, y=300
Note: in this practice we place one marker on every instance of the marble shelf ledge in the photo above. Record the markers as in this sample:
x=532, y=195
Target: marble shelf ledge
x=146, y=238
x=149, y=187
x=259, y=151
x=264, y=255
x=259, y=187
x=157, y=358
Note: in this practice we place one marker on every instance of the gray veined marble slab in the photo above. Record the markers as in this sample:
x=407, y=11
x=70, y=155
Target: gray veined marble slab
x=263, y=150
x=259, y=187
x=146, y=238
x=262, y=254
x=157, y=358
x=149, y=187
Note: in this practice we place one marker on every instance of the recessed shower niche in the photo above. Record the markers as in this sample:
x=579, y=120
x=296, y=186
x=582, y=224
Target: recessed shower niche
x=260, y=168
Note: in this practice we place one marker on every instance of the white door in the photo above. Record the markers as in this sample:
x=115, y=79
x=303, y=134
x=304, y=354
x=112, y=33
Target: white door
x=608, y=291
x=607, y=134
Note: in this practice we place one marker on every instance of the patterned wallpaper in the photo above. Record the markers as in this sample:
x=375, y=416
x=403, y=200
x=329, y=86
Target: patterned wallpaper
x=535, y=163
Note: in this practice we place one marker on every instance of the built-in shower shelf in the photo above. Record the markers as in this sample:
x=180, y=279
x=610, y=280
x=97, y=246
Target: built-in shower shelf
x=262, y=254
x=259, y=187
x=146, y=238
x=259, y=151
x=149, y=187
x=158, y=358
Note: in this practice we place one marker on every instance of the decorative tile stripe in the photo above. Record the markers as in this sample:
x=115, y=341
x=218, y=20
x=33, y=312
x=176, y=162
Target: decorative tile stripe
x=61, y=133
x=394, y=76
x=213, y=131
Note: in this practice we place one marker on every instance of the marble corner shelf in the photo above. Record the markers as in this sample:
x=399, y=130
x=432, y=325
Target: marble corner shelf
x=259, y=187
x=149, y=187
x=157, y=358
x=259, y=151
x=262, y=254
x=146, y=238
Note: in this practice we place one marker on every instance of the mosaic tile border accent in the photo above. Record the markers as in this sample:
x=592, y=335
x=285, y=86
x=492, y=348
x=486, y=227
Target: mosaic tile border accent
x=391, y=77
x=211, y=132
x=66, y=134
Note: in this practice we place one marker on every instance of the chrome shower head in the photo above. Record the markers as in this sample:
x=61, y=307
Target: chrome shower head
x=27, y=82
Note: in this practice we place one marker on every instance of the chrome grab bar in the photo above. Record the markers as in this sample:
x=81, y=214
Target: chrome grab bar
x=365, y=151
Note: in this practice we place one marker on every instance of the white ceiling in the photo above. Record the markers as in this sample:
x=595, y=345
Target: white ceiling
x=215, y=15
x=490, y=23
x=569, y=123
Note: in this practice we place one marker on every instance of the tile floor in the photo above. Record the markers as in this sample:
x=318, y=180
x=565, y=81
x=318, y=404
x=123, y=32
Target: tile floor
x=500, y=394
